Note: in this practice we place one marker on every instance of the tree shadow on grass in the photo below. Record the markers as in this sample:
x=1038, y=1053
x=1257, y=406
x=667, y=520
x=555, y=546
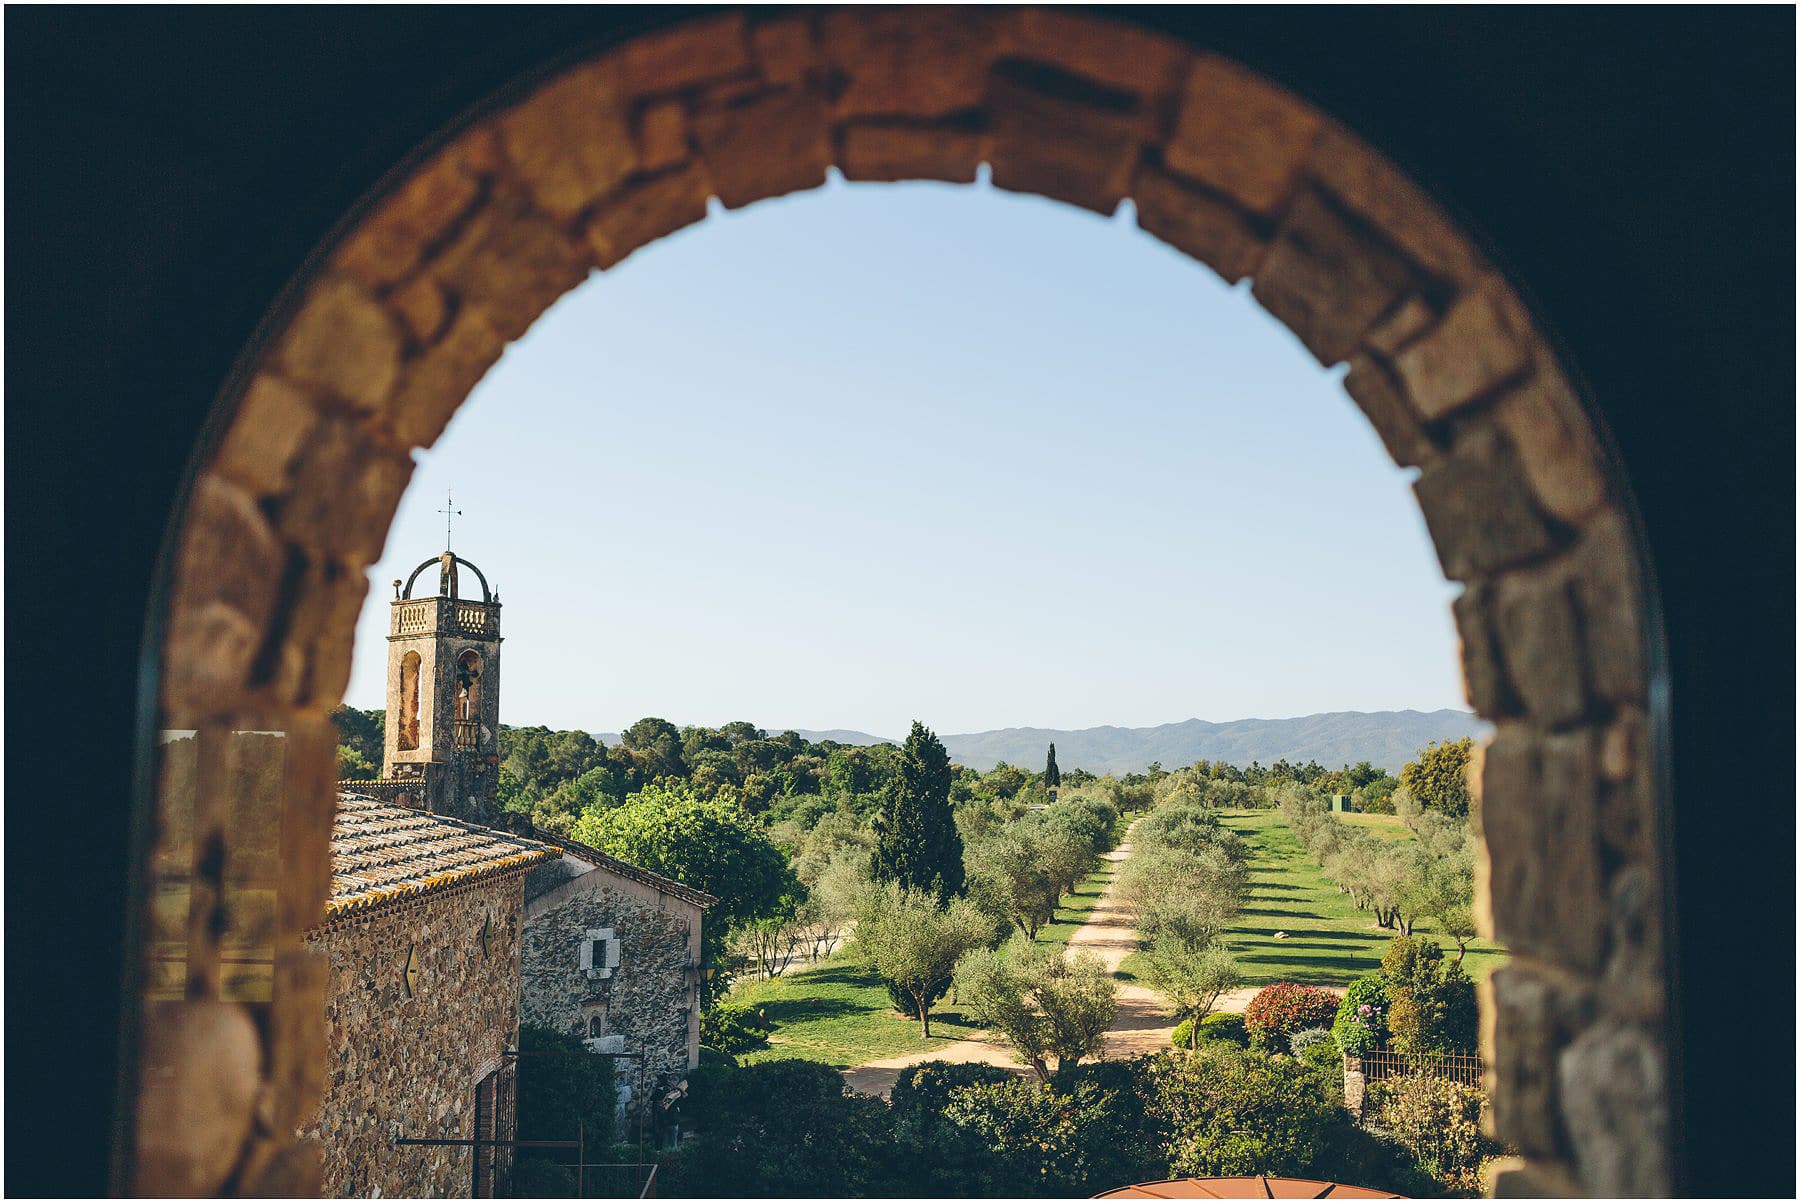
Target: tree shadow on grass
x=782, y=1011
x=1263, y=910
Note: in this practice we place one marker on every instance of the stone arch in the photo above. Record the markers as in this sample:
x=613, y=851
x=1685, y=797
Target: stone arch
x=386, y=332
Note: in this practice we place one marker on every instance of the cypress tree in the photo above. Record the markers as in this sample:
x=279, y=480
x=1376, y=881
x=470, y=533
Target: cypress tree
x=916, y=841
x=1052, y=775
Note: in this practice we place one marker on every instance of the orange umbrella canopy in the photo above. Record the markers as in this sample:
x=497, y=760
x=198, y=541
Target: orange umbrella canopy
x=1243, y=1188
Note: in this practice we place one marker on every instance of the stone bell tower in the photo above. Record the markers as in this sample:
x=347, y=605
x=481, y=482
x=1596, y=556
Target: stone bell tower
x=443, y=693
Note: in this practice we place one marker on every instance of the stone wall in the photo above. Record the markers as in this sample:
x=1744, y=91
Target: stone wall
x=403, y=1063
x=649, y=999
x=374, y=350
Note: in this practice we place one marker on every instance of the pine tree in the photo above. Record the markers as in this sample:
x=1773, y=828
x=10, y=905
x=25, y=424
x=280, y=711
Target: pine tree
x=1052, y=774
x=916, y=841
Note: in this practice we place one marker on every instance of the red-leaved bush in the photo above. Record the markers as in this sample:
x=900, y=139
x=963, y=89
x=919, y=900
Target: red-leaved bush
x=1280, y=1010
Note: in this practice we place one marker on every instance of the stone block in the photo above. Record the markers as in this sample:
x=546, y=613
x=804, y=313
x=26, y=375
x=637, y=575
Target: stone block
x=1401, y=325
x=1114, y=55
x=1387, y=199
x=1516, y=1178
x=1058, y=137
x=199, y=1073
x=208, y=653
x=1523, y=1026
x=915, y=62
x=1463, y=358
x=420, y=308
x=392, y=240
x=1605, y=570
x=272, y=422
x=1540, y=822
x=569, y=141
x=342, y=341
x=1541, y=644
x=1633, y=984
x=785, y=49
x=321, y=627
x=1542, y=419
x=1376, y=393
x=512, y=263
x=1484, y=677
x=282, y=1169
x=910, y=152
x=297, y=1036
x=662, y=134
x=692, y=53
x=308, y=807
x=346, y=488
x=1479, y=508
x=437, y=381
x=645, y=211
x=1628, y=822
x=1197, y=223
x=228, y=552
x=1328, y=278
x=1240, y=135
x=1615, y=1104
x=773, y=144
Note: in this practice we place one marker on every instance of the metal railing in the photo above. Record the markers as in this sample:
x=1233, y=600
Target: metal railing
x=1381, y=1065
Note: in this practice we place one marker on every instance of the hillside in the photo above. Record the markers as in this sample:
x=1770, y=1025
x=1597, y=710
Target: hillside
x=1385, y=738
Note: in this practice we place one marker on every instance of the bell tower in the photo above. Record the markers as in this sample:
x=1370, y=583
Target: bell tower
x=443, y=693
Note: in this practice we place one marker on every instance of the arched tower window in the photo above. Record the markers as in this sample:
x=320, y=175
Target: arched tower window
x=468, y=698
x=408, y=739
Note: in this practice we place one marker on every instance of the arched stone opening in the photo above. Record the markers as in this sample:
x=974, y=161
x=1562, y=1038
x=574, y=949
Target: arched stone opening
x=403, y=314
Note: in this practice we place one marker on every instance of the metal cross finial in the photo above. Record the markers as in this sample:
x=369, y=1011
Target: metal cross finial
x=448, y=512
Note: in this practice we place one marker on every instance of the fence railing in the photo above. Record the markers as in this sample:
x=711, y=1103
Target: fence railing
x=1383, y=1064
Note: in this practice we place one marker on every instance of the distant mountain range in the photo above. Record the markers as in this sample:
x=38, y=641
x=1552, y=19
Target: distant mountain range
x=1385, y=738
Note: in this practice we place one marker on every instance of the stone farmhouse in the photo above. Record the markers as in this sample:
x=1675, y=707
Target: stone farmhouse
x=450, y=923
x=611, y=953
x=421, y=938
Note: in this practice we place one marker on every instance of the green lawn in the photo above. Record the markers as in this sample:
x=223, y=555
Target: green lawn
x=838, y=1013
x=1328, y=941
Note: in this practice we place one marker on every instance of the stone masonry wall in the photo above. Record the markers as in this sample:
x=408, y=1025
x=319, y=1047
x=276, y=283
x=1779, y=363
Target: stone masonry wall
x=407, y=1065
x=648, y=999
x=572, y=173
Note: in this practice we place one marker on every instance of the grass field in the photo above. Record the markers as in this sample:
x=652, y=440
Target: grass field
x=1328, y=941
x=838, y=1013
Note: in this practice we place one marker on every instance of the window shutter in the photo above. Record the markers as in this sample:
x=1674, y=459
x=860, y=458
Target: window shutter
x=612, y=954
x=588, y=939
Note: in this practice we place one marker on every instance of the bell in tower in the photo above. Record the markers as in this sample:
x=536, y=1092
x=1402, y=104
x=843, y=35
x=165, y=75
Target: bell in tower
x=443, y=693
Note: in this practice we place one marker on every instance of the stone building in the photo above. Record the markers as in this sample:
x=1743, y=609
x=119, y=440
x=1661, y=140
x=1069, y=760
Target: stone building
x=421, y=937
x=443, y=691
x=611, y=953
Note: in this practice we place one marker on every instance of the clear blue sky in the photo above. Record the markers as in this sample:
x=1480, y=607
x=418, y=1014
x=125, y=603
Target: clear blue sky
x=879, y=452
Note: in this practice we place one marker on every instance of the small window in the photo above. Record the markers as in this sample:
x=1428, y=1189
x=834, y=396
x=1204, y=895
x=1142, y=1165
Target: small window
x=598, y=954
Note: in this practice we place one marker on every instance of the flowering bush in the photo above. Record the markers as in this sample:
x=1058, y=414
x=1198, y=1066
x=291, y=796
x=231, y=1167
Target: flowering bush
x=1439, y=1121
x=1284, y=1008
x=1361, y=1023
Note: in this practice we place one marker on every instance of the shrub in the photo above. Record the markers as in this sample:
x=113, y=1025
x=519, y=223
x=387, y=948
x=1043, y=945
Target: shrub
x=1229, y=1112
x=1439, y=1121
x=1214, y=1029
x=1431, y=1000
x=1284, y=1008
x=1039, y=1141
x=782, y=1128
x=732, y=1028
x=556, y=1093
x=534, y=1178
x=1306, y=1038
x=941, y=1159
x=1361, y=1022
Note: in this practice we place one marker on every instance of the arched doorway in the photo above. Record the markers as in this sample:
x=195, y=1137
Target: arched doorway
x=572, y=173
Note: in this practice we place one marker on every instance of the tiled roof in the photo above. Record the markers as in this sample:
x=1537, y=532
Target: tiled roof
x=382, y=853
x=613, y=864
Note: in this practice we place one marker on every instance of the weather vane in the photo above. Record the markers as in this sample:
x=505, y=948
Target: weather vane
x=448, y=512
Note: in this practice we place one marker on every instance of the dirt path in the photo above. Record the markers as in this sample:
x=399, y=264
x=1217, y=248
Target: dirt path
x=1142, y=1025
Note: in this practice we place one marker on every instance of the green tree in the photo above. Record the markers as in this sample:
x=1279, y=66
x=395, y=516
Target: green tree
x=1439, y=777
x=1043, y=1004
x=1191, y=976
x=1052, y=775
x=361, y=742
x=1231, y=1112
x=912, y=942
x=1007, y=877
x=916, y=841
x=562, y=1088
x=1431, y=1000
x=655, y=745
x=712, y=846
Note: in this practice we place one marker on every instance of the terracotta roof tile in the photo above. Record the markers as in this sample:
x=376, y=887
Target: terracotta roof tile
x=382, y=853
